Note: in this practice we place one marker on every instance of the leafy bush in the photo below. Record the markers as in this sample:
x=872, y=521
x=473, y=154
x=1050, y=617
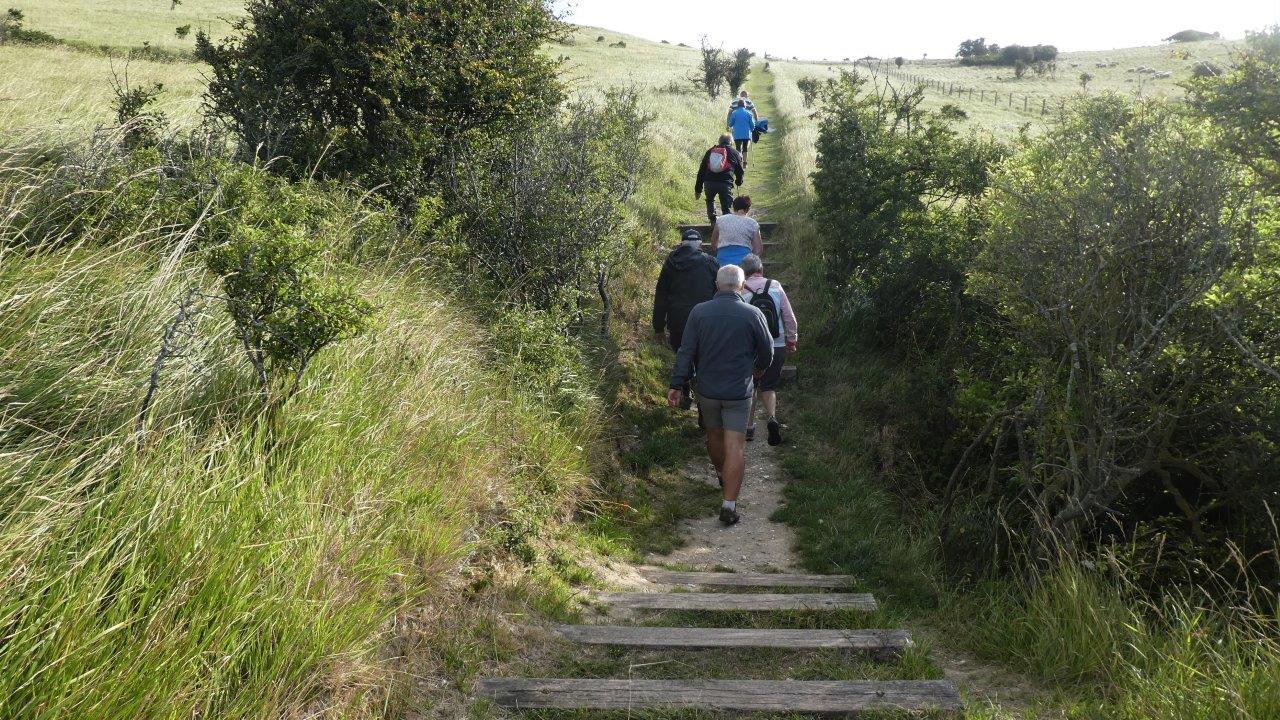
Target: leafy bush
x=541, y=213
x=1245, y=103
x=893, y=184
x=1192, y=36
x=977, y=52
x=398, y=84
x=738, y=69
x=713, y=71
x=810, y=88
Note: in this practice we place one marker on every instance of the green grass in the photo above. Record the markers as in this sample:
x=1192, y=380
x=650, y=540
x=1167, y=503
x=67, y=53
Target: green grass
x=130, y=23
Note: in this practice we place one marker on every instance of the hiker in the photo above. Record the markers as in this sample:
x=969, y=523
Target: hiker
x=736, y=234
x=719, y=173
x=767, y=296
x=743, y=124
x=726, y=339
x=688, y=278
x=745, y=100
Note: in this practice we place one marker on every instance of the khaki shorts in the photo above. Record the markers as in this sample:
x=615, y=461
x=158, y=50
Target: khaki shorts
x=728, y=414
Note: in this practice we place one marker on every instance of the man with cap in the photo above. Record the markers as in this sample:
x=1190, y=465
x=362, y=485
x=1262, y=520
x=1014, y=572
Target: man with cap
x=688, y=277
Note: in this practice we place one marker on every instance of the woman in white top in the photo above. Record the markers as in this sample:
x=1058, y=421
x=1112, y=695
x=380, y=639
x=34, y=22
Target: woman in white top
x=736, y=235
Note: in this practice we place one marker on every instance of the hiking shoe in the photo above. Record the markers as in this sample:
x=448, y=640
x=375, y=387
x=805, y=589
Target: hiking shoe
x=775, y=432
x=751, y=434
x=729, y=517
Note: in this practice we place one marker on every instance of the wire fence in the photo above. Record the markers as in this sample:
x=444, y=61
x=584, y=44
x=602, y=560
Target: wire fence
x=1026, y=103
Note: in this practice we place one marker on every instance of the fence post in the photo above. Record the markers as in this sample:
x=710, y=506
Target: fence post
x=1044, y=106
x=1025, y=100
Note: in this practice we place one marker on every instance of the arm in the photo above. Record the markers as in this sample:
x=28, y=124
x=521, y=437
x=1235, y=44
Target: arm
x=683, y=371
x=715, y=238
x=660, y=304
x=789, y=327
x=757, y=244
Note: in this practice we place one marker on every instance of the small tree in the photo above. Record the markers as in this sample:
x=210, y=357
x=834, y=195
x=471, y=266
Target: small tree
x=715, y=67
x=284, y=298
x=809, y=87
x=182, y=31
x=899, y=61
x=139, y=121
x=972, y=48
x=1020, y=69
x=738, y=69
x=1085, y=79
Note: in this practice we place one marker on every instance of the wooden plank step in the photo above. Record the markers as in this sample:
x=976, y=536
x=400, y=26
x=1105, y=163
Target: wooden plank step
x=756, y=602
x=883, y=642
x=789, y=372
x=734, y=579
x=822, y=697
x=767, y=229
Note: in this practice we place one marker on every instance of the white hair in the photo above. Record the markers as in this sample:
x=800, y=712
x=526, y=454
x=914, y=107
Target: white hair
x=751, y=265
x=730, y=277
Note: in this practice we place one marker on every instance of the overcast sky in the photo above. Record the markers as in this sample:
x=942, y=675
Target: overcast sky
x=835, y=29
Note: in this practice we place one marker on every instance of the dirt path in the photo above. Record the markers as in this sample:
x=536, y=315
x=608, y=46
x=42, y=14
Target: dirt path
x=757, y=543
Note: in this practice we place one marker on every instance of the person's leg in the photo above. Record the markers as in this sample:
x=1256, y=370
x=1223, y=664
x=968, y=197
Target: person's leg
x=726, y=200
x=770, y=399
x=751, y=414
x=769, y=394
x=711, y=205
x=715, y=449
x=733, y=448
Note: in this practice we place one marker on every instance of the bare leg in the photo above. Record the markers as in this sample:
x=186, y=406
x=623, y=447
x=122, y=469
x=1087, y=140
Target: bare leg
x=751, y=414
x=715, y=449
x=770, y=398
x=733, y=445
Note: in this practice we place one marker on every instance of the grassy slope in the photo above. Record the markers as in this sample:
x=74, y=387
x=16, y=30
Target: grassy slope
x=419, y=494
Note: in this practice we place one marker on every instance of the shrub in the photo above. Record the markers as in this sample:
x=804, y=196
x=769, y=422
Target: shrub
x=899, y=61
x=141, y=123
x=400, y=83
x=892, y=185
x=182, y=31
x=283, y=291
x=1113, y=251
x=738, y=69
x=1085, y=79
x=1244, y=103
x=715, y=68
x=810, y=88
x=541, y=212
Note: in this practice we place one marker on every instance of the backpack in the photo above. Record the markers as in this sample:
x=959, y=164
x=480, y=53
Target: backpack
x=763, y=302
x=718, y=159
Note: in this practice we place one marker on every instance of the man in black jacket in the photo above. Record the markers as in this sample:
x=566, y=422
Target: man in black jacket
x=688, y=277
x=719, y=173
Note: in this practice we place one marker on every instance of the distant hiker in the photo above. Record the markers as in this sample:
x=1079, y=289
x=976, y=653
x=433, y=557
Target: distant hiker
x=719, y=173
x=736, y=234
x=688, y=278
x=742, y=123
x=767, y=296
x=726, y=339
x=744, y=99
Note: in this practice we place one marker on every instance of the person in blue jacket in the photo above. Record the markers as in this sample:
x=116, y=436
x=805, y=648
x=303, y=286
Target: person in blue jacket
x=742, y=123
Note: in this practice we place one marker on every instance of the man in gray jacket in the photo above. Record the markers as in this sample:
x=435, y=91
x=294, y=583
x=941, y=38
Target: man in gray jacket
x=726, y=339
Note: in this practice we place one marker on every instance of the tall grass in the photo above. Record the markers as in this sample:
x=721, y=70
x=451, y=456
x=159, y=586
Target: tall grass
x=229, y=564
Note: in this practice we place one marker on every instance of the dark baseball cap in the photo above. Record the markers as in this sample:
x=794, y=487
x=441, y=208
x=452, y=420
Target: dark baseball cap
x=691, y=235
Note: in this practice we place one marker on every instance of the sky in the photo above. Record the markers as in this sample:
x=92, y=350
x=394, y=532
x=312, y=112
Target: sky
x=833, y=29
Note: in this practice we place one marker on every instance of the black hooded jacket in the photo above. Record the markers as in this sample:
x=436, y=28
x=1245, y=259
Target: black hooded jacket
x=688, y=277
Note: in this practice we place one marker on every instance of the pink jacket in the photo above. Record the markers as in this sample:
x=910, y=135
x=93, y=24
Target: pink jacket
x=790, y=331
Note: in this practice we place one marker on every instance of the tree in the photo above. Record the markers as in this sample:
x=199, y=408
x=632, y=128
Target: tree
x=715, y=68
x=1020, y=69
x=809, y=88
x=738, y=69
x=899, y=61
x=972, y=48
x=1085, y=79
x=376, y=91
x=1245, y=103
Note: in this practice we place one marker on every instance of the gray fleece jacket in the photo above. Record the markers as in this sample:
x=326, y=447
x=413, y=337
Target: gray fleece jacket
x=726, y=340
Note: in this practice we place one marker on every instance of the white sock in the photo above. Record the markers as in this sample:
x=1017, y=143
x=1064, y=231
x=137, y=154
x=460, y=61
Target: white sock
x=731, y=504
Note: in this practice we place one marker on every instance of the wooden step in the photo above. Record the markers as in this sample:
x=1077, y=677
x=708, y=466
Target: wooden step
x=822, y=697
x=756, y=602
x=788, y=372
x=733, y=579
x=767, y=229
x=882, y=643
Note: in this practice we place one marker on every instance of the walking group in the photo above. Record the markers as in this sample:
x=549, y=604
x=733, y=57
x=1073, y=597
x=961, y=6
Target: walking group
x=731, y=326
